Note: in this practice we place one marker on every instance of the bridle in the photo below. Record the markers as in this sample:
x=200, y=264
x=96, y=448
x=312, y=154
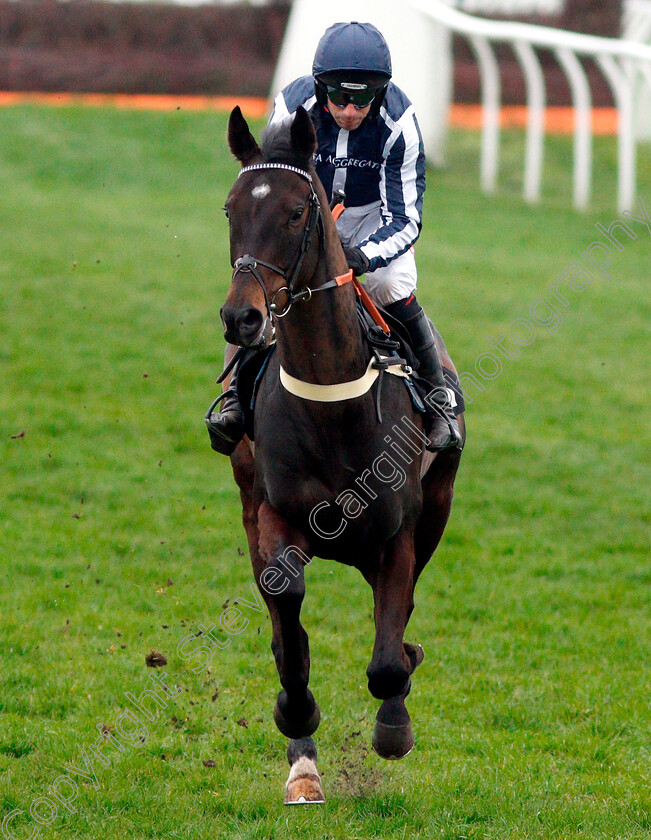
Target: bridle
x=249, y=264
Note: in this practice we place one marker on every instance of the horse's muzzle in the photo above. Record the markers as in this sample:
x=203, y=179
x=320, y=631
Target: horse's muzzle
x=245, y=326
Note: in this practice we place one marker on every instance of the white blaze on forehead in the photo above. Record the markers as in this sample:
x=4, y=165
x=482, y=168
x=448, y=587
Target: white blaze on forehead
x=261, y=191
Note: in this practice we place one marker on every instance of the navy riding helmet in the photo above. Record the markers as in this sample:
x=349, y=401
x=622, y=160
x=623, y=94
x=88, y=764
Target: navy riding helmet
x=352, y=63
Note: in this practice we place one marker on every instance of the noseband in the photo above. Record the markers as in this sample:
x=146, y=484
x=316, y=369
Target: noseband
x=249, y=263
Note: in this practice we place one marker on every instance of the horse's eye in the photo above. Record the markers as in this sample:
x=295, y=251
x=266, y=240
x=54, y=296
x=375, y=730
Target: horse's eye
x=226, y=211
x=296, y=215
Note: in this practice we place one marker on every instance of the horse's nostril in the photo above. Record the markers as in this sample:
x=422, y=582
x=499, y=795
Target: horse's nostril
x=250, y=321
x=243, y=325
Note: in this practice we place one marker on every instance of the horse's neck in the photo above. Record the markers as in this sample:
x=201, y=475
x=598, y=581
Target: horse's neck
x=320, y=340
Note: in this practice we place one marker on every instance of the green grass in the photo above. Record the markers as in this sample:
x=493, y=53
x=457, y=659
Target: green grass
x=121, y=529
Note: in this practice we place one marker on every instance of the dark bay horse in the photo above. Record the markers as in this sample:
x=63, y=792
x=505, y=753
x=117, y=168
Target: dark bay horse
x=325, y=477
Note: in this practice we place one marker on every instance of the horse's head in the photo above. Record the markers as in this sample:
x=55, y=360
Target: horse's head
x=273, y=214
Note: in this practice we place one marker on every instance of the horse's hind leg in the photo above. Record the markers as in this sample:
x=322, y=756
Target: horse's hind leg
x=438, y=490
x=304, y=783
x=393, y=661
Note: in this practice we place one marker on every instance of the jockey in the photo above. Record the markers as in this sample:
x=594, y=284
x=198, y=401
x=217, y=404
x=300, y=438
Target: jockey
x=371, y=149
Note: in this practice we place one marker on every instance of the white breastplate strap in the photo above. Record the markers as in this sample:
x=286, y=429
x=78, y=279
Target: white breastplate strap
x=340, y=391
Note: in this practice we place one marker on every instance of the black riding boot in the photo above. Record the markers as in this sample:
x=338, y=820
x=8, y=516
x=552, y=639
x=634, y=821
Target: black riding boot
x=226, y=426
x=441, y=426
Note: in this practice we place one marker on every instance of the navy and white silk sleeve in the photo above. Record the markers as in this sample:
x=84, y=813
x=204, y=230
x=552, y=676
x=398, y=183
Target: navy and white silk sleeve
x=402, y=186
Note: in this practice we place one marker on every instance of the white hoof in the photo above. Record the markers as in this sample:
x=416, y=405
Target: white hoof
x=304, y=784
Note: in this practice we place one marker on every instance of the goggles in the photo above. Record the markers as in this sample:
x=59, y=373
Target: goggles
x=351, y=93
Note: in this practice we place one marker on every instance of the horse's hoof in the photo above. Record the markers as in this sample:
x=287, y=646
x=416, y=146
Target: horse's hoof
x=392, y=735
x=304, y=792
x=304, y=784
x=392, y=742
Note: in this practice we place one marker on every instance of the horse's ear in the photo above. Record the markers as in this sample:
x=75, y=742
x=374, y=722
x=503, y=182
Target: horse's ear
x=240, y=140
x=303, y=134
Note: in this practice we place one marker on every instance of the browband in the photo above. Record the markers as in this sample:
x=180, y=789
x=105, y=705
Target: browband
x=289, y=168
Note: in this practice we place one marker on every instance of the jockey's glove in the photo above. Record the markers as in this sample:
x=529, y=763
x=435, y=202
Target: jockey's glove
x=357, y=260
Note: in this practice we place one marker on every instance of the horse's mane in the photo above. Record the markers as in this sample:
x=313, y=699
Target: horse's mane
x=276, y=146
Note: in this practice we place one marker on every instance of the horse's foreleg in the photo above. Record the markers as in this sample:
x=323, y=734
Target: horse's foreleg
x=392, y=735
x=304, y=782
x=281, y=578
x=393, y=660
x=393, y=588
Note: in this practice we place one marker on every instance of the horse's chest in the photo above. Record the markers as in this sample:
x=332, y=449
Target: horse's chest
x=331, y=475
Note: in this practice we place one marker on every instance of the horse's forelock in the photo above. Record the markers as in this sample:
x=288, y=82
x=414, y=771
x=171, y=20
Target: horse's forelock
x=277, y=146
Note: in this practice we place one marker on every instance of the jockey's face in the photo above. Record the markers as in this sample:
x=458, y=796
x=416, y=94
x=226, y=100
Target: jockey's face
x=349, y=117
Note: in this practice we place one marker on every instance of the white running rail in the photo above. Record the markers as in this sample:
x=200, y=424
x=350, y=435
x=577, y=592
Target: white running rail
x=624, y=63
x=636, y=26
x=636, y=20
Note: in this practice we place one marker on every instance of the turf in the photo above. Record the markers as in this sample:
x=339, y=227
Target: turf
x=121, y=529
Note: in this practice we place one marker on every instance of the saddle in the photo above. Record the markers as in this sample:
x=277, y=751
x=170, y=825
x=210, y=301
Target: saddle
x=399, y=339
